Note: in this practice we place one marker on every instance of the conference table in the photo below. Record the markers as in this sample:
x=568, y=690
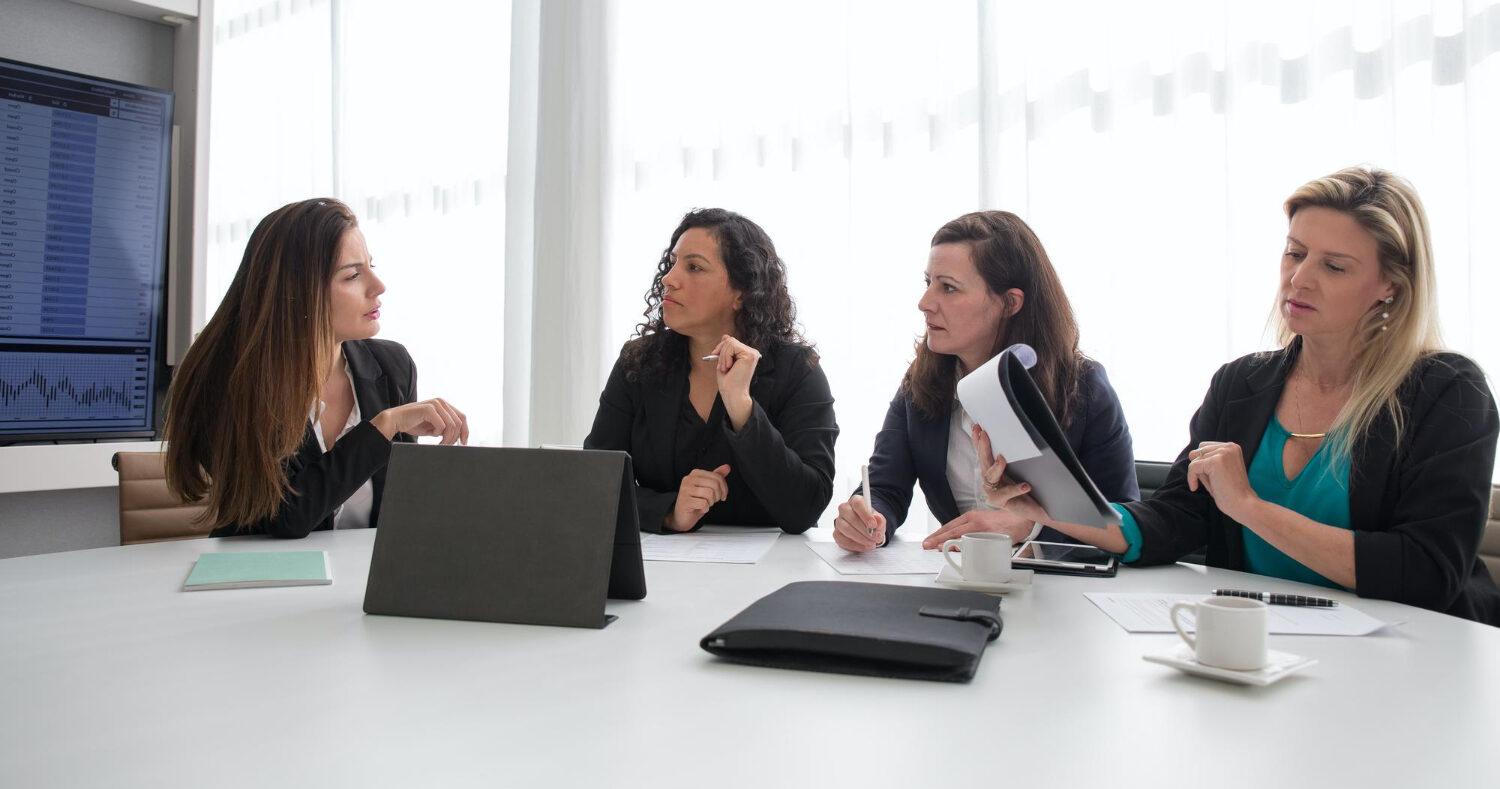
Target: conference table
x=111, y=676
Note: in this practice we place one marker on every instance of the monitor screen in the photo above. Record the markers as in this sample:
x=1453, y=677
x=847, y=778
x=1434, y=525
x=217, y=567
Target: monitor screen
x=83, y=249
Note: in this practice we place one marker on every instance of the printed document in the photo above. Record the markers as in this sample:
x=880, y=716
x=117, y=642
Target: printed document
x=1139, y=612
x=715, y=544
x=898, y=558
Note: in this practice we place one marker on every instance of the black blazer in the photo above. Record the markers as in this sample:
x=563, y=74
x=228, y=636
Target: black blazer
x=1417, y=507
x=384, y=376
x=783, y=455
x=910, y=447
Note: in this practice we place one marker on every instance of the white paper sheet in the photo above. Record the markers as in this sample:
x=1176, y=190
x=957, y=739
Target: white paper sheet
x=1145, y=612
x=715, y=544
x=985, y=402
x=898, y=558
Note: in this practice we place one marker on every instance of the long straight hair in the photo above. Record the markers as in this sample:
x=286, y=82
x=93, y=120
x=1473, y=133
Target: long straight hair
x=1008, y=255
x=1387, y=207
x=239, y=400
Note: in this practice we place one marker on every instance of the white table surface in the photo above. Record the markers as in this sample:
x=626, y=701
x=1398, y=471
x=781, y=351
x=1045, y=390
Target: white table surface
x=110, y=676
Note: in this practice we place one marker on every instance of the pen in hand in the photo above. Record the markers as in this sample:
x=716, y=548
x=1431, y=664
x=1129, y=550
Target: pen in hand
x=1278, y=599
x=864, y=474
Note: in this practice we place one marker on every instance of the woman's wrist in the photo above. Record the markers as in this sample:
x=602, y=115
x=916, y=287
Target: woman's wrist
x=739, y=409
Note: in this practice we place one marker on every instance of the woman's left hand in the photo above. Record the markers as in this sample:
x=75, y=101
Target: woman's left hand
x=735, y=368
x=1220, y=468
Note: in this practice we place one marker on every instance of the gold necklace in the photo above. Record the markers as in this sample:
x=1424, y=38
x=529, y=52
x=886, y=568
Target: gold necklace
x=1312, y=436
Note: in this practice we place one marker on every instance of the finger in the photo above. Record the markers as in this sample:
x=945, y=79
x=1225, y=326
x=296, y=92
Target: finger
x=712, y=483
x=697, y=504
x=723, y=470
x=982, y=446
x=449, y=426
x=1002, y=494
x=457, y=426
x=855, y=534
x=949, y=530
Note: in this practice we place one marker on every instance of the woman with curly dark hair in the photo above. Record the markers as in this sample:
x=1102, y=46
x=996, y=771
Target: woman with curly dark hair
x=718, y=399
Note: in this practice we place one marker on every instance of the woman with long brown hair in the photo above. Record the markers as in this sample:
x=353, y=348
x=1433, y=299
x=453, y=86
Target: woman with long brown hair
x=990, y=284
x=1358, y=455
x=282, y=412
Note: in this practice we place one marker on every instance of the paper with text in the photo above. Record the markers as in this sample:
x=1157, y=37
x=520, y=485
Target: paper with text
x=985, y=402
x=1146, y=612
x=898, y=558
x=712, y=544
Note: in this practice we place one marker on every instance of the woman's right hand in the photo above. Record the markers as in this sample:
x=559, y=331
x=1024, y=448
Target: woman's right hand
x=858, y=527
x=698, y=493
x=433, y=417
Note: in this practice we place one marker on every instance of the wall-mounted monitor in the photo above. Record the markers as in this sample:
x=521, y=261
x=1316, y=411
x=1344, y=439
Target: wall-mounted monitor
x=84, y=166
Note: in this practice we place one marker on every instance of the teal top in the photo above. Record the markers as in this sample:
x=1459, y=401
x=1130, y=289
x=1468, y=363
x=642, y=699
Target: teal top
x=1319, y=492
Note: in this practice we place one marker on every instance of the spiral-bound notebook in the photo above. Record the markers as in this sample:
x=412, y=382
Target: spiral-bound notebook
x=249, y=569
x=1003, y=399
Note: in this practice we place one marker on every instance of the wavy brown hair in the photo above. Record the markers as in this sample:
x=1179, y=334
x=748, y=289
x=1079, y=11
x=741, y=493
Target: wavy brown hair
x=239, y=400
x=1007, y=255
x=767, y=316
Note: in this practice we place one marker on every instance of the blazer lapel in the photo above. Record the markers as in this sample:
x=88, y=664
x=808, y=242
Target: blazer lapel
x=661, y=421
x=929, y=443
x=369, y=380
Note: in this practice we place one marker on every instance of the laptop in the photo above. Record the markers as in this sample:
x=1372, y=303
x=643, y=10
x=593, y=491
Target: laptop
x=497, y=534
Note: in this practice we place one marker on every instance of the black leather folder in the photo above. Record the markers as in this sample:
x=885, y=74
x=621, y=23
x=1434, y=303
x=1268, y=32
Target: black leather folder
x=881, y=630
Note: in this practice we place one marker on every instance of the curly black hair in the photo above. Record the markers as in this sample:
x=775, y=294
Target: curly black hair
x=767, y=316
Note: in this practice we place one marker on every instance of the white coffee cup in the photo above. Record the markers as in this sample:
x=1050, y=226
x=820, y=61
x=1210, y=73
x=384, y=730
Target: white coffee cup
x=986, y=557
x=1231, y=632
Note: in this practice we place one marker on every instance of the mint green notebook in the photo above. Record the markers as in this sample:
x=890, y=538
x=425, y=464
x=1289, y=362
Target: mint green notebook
x=258, y=568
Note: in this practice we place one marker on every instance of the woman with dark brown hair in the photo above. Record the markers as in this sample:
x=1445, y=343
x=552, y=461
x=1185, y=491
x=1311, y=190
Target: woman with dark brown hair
x=719, y=401
x=283, y=411
x=989, y=285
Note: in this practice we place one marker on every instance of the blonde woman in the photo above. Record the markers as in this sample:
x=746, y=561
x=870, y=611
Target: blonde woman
x=1359, y=455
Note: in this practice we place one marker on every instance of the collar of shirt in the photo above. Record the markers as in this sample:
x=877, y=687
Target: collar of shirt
x=316, y=416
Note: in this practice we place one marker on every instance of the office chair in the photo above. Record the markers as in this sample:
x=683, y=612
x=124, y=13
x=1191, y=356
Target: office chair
x=148, y=511
x=1489, y=544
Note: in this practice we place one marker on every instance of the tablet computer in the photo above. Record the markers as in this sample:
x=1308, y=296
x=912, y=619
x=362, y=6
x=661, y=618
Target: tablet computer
x=1065, y=559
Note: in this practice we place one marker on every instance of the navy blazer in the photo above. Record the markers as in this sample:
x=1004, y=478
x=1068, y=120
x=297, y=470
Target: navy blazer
x=1417, y=508
x=911, y=447
x=783, y=454
x=384, y=376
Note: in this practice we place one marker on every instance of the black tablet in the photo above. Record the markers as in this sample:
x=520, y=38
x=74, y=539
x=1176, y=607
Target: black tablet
x=1065, y=559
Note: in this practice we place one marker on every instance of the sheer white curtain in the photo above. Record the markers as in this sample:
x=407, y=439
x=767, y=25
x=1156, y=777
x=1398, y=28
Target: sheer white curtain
x=1150, y=145
x=400, y=111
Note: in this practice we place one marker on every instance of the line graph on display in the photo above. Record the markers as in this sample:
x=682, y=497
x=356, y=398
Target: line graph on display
x=50, y=387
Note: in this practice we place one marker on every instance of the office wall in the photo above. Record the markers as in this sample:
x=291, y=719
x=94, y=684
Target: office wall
x=87, y=40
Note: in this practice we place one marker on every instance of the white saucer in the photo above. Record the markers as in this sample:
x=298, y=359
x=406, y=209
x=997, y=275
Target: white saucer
x=1280, y=664
x=1019, y=579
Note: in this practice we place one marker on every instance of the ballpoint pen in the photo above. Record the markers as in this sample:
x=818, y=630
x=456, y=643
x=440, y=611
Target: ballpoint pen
x=713, y=357
x=864, y=475
x=1278, y=599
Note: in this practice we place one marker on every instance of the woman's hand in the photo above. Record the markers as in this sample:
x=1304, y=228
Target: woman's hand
x=699, y=492
x=433, y=417
x=997, y=521
x=735, y=368
x=1002, y=491
x=1220, y=468
x=858, y=527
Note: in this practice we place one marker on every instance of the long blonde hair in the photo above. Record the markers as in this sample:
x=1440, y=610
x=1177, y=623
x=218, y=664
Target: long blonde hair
x=1387, y=207
x=240, y=398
